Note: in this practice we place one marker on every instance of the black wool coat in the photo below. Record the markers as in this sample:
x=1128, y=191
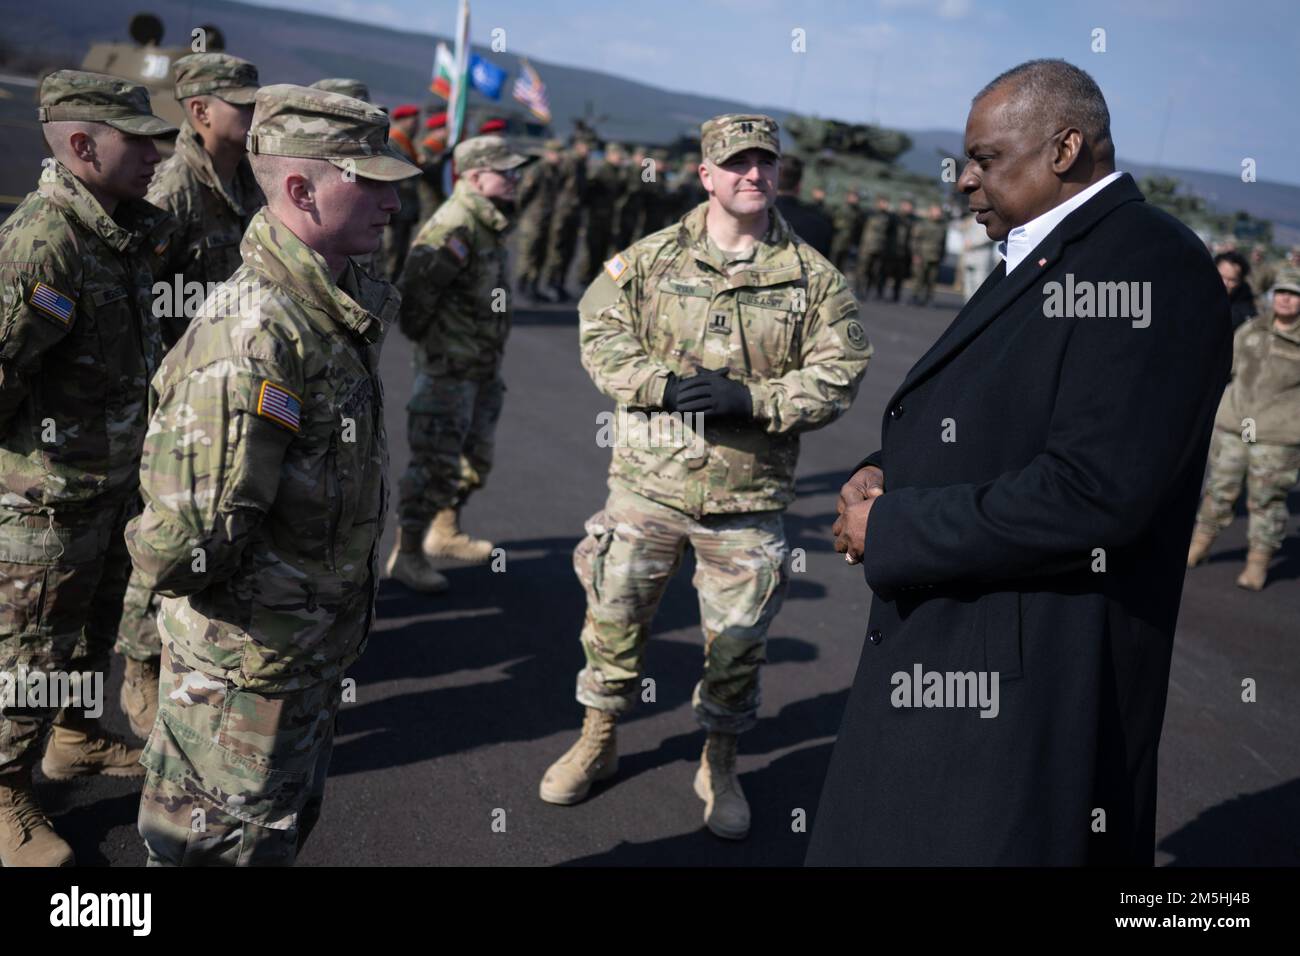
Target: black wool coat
x=1042, y=472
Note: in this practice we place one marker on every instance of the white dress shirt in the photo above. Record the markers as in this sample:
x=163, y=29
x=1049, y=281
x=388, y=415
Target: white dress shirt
x=1022, y=240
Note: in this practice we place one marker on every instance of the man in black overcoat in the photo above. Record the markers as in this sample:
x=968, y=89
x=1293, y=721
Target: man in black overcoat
x=1028, y=515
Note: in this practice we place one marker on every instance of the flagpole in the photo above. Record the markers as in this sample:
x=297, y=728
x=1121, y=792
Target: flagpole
x=459, y=80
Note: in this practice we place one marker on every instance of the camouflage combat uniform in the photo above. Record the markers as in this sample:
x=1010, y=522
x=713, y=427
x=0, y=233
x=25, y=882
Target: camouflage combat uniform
x=1264, y=392
x=78, y=343
x=875, y=246
x=847, y=223
x=785, y=322
x=265, y=485
x=898, y=258
x=929, y=239
x=211, y=220
x=456, y=309
x=604, y=187
x=536, y=203
x=566, y=218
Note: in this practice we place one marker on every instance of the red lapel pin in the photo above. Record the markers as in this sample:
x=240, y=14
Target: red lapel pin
x=1042, y=262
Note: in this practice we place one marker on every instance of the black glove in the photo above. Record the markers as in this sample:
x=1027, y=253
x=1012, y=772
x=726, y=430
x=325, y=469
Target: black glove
x=713, y=393
x=670, y=392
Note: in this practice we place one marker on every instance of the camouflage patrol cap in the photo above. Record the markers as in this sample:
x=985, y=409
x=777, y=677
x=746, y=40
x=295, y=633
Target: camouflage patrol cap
x=224, y=76
x=724, y=136
x=353, y=88
x=486, y=152
x=1288, y=280
x=554, y=144
x=99, y=98
x=316, y=124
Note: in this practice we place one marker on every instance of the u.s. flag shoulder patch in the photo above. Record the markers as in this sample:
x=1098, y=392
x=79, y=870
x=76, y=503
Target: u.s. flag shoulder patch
x=280, y=405
x=457, y=247
x=51, y=302
x=617, y=269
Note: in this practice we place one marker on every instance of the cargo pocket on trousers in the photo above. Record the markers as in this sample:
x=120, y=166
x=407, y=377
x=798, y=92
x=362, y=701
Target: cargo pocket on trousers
x=589, y=556
x=1002, y=634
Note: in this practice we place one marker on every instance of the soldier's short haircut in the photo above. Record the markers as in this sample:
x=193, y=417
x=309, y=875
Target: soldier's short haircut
x=56, y=135
x=1053, y=95
x=269, y=171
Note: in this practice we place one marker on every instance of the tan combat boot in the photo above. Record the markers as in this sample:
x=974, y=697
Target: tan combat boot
x=594, y=757
x=726, y=812
x=1252, y=579
x=139, y=697
x=80, y=747
x=1199, y=549
x=26, y=836
x=444, y=539
x=408, y=565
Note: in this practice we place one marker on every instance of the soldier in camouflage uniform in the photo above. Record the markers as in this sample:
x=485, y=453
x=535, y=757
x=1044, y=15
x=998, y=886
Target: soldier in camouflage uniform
x=566, y=218
x=78, y=343
x=875, y=248
x=400, y=232
x=208, y=186
x=729, y=316
x=847, y=223
x=265, y=489
x=1263, y=273
x=687, y=190
x=535, y=202
x=898, y=259
x=658, y=200
x=456, y=310
x=929, y=240
x=629, y=213
x=1257, y=435
x=605, y=186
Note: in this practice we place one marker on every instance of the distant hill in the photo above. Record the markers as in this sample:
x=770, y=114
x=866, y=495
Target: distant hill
x=293, y=47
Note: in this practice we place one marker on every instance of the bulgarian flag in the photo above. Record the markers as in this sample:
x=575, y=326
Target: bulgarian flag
x=443, y=68
x=459, y=78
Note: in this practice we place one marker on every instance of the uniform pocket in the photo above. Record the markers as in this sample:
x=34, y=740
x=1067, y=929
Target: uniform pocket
x=590, y=554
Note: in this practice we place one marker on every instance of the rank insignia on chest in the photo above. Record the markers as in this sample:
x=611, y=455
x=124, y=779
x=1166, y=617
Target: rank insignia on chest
x=280, y=405
x=52, y=302
x=616, y=267
x=720, y=322
x=457, y=248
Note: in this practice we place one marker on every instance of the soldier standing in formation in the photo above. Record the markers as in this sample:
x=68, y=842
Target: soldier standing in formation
x=456, y=310
x=630, y=211
x=846, y=221
x=403, y=120
x=566, y=217
x=730, y=316
x=898, y=255
x=78, y=344
x=1257, y=435
x=875, y=248
x=433, y=155
x=929, y=240
x=605, y=185
x=536, y=204
x=265, y=486
x=208, y=186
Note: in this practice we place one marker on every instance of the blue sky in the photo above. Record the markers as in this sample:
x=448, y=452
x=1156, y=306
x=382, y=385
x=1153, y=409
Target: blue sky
x=1222, y=74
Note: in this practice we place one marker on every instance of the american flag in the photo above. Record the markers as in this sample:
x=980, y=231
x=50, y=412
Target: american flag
x=52, y=302
x=280, y=405
x=531, y=91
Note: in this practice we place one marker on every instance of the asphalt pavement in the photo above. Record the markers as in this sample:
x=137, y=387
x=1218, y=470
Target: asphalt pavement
x=462, y=700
